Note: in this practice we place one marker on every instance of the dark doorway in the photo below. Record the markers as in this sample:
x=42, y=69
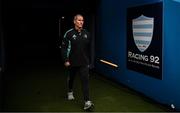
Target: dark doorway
x=31, y=35
x=31, y=29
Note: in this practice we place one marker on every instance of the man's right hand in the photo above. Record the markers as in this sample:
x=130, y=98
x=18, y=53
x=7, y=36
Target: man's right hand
x=67, y=64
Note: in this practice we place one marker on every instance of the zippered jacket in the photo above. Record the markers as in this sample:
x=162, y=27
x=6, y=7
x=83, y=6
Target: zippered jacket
x=77, y=47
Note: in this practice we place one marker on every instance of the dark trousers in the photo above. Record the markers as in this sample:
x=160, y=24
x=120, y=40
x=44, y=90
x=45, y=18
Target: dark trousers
x=83, y=72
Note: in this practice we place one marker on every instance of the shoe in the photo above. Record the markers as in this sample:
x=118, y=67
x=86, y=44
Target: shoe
x=88, y=106
x=70, y=96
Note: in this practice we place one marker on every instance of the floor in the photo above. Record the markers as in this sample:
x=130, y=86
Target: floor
x=42, y=88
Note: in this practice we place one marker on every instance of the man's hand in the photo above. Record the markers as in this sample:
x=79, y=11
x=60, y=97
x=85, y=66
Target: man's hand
x=67, y=64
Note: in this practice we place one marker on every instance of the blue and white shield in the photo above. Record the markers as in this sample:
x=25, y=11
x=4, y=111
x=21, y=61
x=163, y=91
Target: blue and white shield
x=142, y=31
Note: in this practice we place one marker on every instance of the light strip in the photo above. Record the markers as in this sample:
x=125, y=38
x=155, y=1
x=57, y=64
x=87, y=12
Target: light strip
x=109, y=63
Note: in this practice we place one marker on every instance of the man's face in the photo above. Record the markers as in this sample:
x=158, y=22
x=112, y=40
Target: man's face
x=79, y=21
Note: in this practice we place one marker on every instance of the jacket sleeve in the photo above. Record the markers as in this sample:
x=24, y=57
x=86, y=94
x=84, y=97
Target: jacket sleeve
x=65, y=48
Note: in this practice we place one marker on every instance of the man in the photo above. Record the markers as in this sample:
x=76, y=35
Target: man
x=76, y=49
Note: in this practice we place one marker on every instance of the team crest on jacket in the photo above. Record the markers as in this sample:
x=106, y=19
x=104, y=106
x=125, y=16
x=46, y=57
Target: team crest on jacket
x=74, y=37
x=143, y=31
x=85, y=35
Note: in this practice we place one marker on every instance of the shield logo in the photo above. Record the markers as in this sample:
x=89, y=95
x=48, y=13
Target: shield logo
x=143, y=31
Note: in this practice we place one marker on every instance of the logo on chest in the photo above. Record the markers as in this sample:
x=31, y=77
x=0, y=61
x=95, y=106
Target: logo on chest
x=74, y=37
x=85, y=36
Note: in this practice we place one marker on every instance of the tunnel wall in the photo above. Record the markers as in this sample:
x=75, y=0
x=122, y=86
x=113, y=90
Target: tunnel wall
x=112, y=44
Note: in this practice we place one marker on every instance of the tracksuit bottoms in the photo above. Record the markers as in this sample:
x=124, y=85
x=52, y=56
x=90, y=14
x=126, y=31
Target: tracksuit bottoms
x=83, y=72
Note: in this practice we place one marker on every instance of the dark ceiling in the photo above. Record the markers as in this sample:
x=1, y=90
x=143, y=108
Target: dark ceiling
x=31, y=27
x=62, y=5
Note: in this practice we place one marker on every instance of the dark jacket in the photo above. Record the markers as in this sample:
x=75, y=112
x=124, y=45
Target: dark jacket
x=76, y=47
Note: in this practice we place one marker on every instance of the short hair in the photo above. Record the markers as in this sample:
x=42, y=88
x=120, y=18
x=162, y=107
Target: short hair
x=75, y=17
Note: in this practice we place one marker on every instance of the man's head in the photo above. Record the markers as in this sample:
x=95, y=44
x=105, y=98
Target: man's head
x=78, y=21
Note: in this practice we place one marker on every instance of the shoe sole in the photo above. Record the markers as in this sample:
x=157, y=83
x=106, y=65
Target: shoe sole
x=91, y=108
x=70, y=99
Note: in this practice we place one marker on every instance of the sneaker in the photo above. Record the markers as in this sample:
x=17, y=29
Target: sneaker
x=70, y=96
x=88, y=105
